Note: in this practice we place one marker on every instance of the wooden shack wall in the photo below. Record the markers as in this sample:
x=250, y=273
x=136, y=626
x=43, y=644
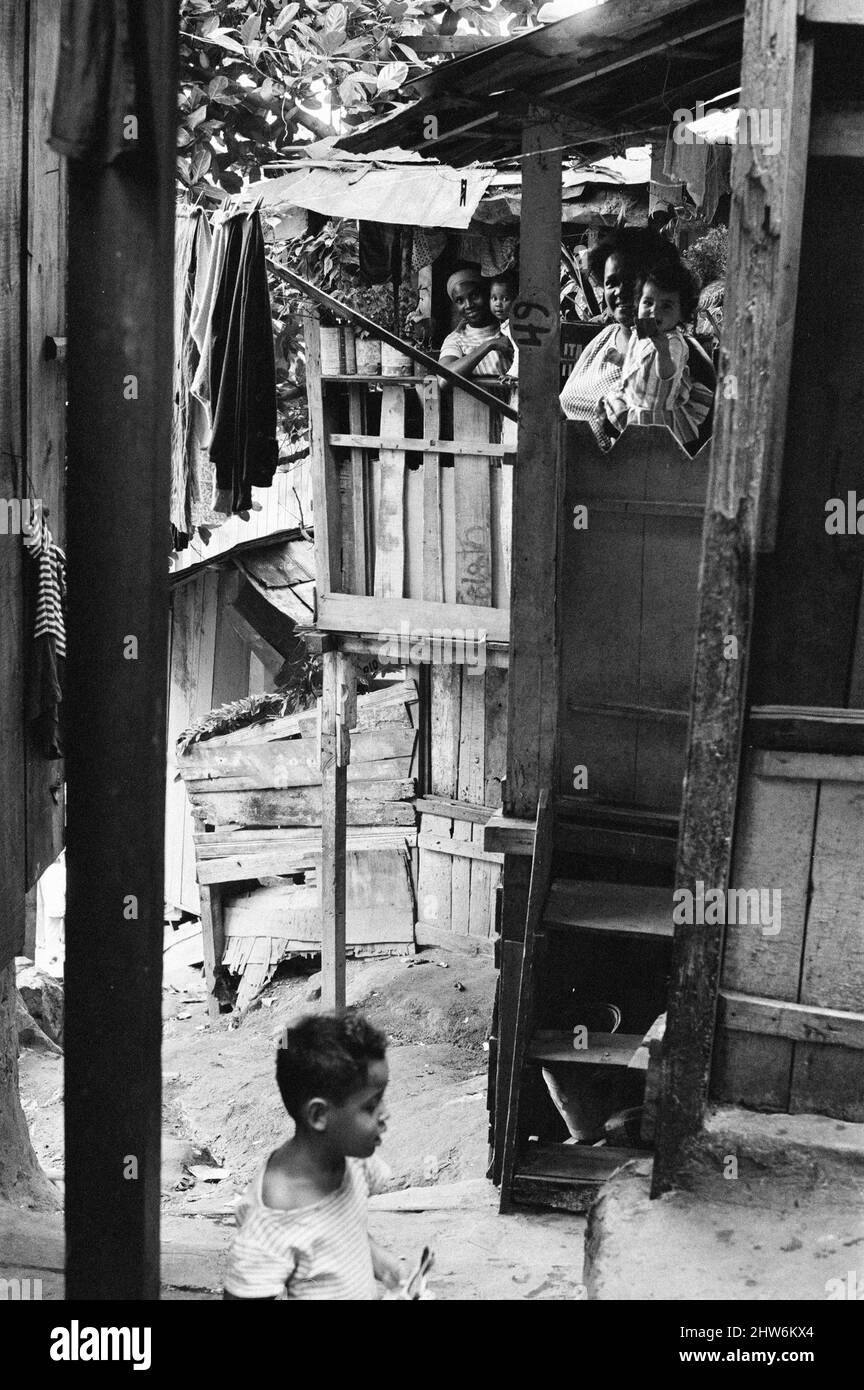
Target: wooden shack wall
x=214, y=658
x=32, y=423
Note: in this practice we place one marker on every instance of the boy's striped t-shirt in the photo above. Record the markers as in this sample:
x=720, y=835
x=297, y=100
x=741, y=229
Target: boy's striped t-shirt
x=320, y=1251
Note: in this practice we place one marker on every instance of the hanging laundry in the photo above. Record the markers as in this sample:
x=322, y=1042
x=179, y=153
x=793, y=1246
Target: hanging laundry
x=687, y=164
x=428, y=243
x=663, y=193
x=469, y=247
x=716, y=179
x=45, y=685
x=191, y=470
x=498, y=255
x=95, y=114
x=242, y=369
x=208, y=509
x=377, y=251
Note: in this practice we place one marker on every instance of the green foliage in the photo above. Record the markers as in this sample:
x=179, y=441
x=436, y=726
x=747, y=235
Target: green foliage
x=707, y=256
x=257, y=76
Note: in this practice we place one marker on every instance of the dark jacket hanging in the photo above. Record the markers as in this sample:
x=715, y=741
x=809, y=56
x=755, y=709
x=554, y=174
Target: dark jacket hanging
x=243, y=445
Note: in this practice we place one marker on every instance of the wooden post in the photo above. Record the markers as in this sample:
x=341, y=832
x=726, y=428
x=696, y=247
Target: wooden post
x=533, y=673
x=121, y=238
x=338, y=715
x=760, y=179
x=533, y=694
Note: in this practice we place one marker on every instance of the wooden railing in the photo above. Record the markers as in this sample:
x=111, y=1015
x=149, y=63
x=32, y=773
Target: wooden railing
x=412, y=516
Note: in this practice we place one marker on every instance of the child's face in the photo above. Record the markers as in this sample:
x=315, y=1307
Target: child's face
x=500, y=300
x=356, y=1127
x=664, y=306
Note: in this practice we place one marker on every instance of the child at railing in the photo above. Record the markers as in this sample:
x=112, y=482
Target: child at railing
x=479, y=347
x=502, y=292
x=655, y=387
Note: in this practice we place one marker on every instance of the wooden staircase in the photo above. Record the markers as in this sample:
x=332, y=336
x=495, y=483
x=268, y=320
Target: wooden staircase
x=567, y=1174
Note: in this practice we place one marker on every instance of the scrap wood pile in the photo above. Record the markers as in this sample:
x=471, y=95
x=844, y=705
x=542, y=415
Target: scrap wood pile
x=255, y=793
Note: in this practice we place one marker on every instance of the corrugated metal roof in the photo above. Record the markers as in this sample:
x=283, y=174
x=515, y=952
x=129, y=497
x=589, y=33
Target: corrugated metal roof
x=613, y=74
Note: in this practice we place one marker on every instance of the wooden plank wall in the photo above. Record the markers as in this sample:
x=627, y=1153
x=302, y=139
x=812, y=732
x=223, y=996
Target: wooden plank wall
x=213, y=662
x=46, y=378
x=628, y=598
x=420, y=525
x=12, y=829
x=799, y=831
x=32, y=397
x=457, y=880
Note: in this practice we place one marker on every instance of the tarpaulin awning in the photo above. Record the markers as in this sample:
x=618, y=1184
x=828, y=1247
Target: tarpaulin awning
x=408, y=192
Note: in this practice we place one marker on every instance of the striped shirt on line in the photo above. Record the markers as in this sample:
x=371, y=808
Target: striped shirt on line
x=317, y=1252
x=50, y=586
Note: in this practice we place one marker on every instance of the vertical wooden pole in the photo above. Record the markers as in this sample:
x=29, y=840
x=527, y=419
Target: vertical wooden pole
x=338, y=715
x=764, y=201
x=121, y=238
x=533, y=671
x=534, y=321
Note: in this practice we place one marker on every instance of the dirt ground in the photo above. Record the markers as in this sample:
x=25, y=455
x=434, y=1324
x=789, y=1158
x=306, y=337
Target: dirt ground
x=222, y=1114
x=221, y=1109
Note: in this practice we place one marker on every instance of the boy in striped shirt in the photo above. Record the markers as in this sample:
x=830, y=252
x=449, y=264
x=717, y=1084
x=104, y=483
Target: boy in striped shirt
x=303, y=1221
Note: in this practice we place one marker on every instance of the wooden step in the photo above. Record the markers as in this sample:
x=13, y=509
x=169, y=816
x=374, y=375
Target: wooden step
x=566, y=1176
x=586, y=827
x=621, y=909
x=603, y=1050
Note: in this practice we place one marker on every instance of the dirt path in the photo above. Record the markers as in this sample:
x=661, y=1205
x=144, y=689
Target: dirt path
x=221, y=1110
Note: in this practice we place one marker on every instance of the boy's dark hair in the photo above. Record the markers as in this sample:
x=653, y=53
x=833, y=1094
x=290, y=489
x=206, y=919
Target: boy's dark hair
x=673, y=276
x=506, y=278
x=326, y=1055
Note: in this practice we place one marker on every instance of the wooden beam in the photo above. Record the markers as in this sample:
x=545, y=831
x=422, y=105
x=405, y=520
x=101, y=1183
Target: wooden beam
x=461, y=849
x=452, y=810
x=533, y=684
x=424, y=44
x=120, y=297
x=418, y=618
x=739, y=452
x=744, y=1013
x=831, y=11
x=808, y=767
x=338, y=713
x=419, y=446
x=658, y=40
x=212, y=942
